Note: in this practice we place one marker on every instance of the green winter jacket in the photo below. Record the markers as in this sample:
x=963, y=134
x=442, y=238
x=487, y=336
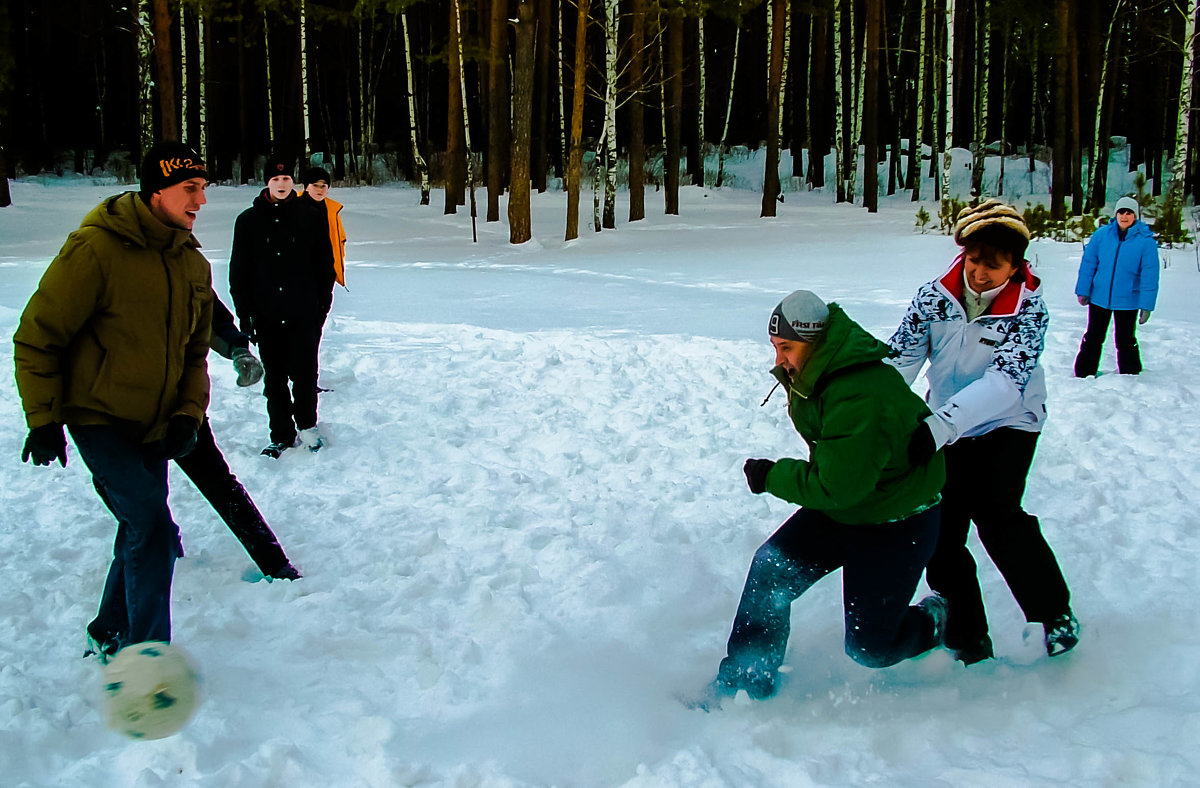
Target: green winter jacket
x=117, y=331
x=857, y=415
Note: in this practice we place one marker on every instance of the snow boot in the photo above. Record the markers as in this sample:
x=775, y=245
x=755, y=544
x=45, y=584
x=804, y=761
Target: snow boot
x=1062, y=634
x=273, y=450
x=312, y=438
x=936, y=608
x=975, y=652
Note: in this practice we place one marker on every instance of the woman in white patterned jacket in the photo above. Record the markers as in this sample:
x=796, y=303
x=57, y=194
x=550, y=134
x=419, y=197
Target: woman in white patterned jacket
x=982, y=326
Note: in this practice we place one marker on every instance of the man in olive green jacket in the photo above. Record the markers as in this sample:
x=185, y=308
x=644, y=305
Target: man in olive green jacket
x=867, y=508
x=113, y=344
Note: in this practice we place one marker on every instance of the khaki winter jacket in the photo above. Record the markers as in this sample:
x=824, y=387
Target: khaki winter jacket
x=117, y=331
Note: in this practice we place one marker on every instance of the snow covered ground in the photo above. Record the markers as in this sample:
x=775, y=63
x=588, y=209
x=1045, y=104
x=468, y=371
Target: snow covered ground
x=531, y=528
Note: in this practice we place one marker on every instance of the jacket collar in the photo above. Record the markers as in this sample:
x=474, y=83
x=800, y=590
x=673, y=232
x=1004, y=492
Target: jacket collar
x=1007, y=301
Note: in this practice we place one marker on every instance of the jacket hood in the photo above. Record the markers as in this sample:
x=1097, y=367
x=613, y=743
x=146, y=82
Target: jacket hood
x=127, y=216
x=843, y=344
x=1007, y=301
x=1138, y=229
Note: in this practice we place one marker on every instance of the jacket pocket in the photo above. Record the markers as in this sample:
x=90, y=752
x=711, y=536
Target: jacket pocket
x=200, y=294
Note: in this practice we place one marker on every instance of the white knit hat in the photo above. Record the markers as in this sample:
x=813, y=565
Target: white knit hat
x=1128, y=203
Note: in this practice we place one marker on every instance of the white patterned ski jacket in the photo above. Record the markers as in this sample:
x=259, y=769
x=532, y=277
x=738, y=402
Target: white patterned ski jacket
x=985, y=373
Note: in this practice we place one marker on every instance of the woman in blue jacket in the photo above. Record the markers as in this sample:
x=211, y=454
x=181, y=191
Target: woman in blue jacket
x=1118, y=279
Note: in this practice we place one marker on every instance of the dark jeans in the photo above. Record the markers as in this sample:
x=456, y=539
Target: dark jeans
x=1129, y=358
x=289, y=357
x=985, y=481
x=207, y=469
x=131, y=479
x=881, y=565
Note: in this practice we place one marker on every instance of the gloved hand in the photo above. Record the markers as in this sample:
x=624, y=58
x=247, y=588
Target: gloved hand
x=1083, y=300
x=921, y=446
x=756, y=474
x=181, y=437
x=46, y=444
x=249, y=368
x=1143, y=316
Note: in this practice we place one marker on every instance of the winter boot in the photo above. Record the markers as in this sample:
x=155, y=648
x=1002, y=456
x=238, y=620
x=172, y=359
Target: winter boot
x=273, y=450
x=312, y=438
x=975, y=652
x=936, y=608
x=1061, y=634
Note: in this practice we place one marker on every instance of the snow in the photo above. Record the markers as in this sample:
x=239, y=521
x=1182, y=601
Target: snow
x=530, y=530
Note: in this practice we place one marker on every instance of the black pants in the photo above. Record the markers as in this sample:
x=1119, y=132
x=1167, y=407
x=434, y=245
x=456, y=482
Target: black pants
x=289, y=357
x=1129, y=358
x=985, y=481
x=881, y=565
x=207, y=469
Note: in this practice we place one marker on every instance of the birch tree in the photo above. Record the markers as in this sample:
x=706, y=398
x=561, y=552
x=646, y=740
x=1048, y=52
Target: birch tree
x=870, y=94
x=422, y=169
x=267, y=64
x=777, y=31
x=1183, y=116
x=306, y=147
x=673, y=113
x=839, y=100
x=574, y=171
x=519, y=224
x=183, y=76
x=948, y=108
x=609, y=136
x=145, y=55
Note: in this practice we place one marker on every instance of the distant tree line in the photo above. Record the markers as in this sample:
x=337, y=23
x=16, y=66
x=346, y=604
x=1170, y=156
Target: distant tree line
x=512, y=93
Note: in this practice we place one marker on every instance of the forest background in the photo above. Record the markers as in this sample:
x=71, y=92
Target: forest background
x=517, y=95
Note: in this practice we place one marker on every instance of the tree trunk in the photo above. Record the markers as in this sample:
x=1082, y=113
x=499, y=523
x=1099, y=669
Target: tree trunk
x=539, y=153
x=692, y=102
x=637, y=112
x=948, y=107
x=1179, y=170
x=612, y=18
x=1098, y=178
x=914, y=160
x=674, y=110
x=306, y=143
x=519, y=224
x=164, y=61
x=574, y=171
x=870, y=103
x=778, y=16
x=183, y=76
x=721, y=146
x=267, y=64
x=839, y=100
x=818, y=121
x=1060, y=183
x=498, y=122
x=145, y=61
x=983, y=41
x=1075, y=143
x=455, y=165
x=419, y=164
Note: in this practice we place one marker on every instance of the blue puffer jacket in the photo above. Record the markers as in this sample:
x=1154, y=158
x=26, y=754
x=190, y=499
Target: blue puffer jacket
x=1118, y=273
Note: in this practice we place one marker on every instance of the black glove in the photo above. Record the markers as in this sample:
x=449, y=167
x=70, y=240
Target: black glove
x=756, y=474
x=46, y=444
x=181, y=437
x=921, y=446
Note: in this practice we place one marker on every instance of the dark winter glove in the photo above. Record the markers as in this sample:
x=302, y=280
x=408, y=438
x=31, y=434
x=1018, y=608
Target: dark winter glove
x=249, y=368
x=1083, y=300
x=756, y=474
x=46, y=444
x=1143, y=316
x=921, y=446
x=181, y=437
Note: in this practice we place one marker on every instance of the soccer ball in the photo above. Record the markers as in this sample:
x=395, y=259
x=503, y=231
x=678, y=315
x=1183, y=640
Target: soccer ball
x=149, y=690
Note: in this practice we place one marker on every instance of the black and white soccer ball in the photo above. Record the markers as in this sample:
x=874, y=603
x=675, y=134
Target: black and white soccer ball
x=149, y=690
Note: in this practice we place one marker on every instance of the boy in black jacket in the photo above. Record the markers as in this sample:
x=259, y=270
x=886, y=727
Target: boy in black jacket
x=281, y=279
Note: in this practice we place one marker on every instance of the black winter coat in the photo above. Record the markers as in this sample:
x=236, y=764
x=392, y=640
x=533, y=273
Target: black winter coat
x=280, y=266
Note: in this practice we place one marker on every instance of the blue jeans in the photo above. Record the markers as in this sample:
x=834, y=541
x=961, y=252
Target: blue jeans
x=131, y=479
x=881, y=567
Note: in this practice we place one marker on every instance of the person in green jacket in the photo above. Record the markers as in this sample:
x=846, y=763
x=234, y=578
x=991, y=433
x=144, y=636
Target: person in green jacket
x=114, y=345
x=865, y=507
